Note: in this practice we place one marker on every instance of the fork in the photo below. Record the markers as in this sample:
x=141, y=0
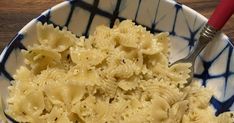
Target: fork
x=215, y=23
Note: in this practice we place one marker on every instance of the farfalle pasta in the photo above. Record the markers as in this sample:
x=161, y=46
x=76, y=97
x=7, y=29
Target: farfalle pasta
x=117, y=75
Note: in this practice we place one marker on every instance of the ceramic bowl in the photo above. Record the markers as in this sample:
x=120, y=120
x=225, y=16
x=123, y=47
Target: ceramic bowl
x=214, y=67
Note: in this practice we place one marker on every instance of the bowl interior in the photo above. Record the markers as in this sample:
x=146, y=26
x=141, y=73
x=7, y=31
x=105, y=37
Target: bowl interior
x=213, y=67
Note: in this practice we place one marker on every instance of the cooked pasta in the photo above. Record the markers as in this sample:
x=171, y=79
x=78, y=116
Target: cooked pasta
x=117, y=75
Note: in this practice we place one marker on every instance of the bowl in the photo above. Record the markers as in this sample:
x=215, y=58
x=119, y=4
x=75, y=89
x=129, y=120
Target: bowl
x=213, y=68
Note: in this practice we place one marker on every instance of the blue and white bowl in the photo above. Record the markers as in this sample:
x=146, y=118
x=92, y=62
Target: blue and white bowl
x=214, y=67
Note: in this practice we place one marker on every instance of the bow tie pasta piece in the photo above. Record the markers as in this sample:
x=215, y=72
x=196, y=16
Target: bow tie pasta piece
x=170, y=93
x=163, y=39
x=226, y=117
x=153, y=60
x=86, y=76
x=129, y=35
x=23, y=75
x=53, y=115
x=181, y=69
x=128, y=84
x=22, y=84
x=122, y=71
x=199, y=116
x=162, y=106
x=198, y=96
x=28, y=106
x=85, y=109
x=153, y=48
x=109, y=87
x=103, y=38
x=177, y=111
x=66, y=93
x=126, y=34
x=91, y=57
x=49, y=76
x=60, y=40
x=176, y=74
x=40, y=57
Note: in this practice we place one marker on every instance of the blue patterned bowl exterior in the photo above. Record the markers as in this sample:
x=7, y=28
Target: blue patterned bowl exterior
x=214, y=67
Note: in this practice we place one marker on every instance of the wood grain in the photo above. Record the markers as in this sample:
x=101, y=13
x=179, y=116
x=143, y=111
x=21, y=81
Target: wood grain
x=14, y=14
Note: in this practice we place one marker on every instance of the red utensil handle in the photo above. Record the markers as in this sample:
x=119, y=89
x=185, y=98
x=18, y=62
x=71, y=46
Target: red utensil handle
x=221, y=14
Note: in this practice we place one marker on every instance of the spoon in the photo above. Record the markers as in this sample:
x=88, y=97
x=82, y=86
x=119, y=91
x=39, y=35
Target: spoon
x=219, y=17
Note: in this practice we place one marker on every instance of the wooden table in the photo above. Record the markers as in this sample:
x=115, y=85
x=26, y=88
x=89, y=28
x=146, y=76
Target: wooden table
x=14, y=14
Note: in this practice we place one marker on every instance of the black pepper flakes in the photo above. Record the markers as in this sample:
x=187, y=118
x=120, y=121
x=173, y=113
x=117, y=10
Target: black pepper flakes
x=68, y=56
x=111, y=100
x=24, y=113
x=123, y=61
x=178, y=85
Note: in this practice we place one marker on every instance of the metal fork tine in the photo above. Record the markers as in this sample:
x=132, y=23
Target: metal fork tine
x=206, y=36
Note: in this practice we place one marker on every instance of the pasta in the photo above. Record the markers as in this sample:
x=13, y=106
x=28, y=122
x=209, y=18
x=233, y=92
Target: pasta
x=117, y=75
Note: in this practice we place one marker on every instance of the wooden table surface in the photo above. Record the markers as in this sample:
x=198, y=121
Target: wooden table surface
x=14, y=14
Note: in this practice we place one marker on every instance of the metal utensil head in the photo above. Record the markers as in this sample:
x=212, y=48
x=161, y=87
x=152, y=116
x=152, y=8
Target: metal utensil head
x=206, y=35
